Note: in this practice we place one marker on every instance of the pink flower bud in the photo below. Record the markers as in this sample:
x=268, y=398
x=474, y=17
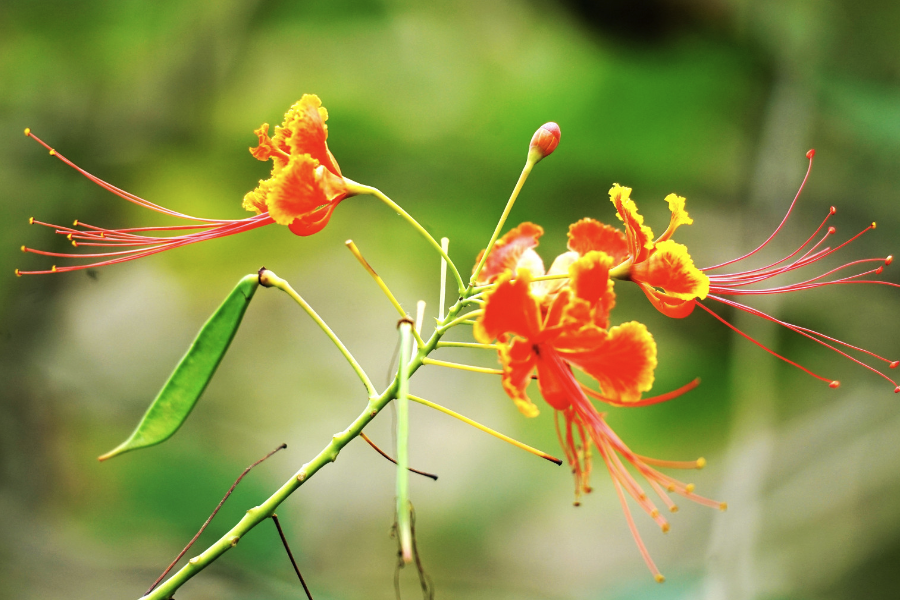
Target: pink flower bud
x=544, y=141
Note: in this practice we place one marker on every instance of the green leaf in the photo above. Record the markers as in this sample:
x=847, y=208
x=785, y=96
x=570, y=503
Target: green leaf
x=180, y=393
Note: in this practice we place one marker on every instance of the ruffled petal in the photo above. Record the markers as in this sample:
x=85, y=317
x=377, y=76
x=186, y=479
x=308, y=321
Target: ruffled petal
x=623, y=364
x=589, y=234
x=301, y=188
x=256, y=200
x=304, y=131
x=640, y=237
x=507, y=251
x=266, y=146
x=518, y=360
x=509, y=309
x=589, y=279
x=679, y=216
x=547, y=290
x=671, y=269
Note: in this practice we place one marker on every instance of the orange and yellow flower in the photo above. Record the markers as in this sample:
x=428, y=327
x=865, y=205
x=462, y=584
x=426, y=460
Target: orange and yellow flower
x=306, y=183
x=550, y=332
x=666, y=273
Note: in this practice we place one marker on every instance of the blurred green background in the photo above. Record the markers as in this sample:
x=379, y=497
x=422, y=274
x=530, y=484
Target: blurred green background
x=435, y=103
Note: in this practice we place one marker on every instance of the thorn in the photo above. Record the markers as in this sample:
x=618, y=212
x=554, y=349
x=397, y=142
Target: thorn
x=27, y=131
x=811, y=153
x=834, y=384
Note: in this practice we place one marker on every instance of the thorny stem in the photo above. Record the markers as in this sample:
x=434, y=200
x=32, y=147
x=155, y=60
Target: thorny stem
x=328, y=454
x=291, y=556
x=365, y=189
x=269, y=279
x=209, y=520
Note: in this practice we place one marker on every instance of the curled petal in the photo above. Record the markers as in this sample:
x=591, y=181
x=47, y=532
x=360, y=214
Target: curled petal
x=509, y=309
x=547, y=289
x=507, y=251
x=668, y=305
x=266, y=146
x=640, y=237
x=670, y=268
x=518, y=360
x=588, y=234
x=623, y=364
x=304, y=131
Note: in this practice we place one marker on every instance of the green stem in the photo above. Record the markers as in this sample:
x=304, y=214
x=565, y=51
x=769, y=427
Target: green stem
x=529, y=164
x=358, y=188
x=269, y=279
x=403, y=526
x=258, y=514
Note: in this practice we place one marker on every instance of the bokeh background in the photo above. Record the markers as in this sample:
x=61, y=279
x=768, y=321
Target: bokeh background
x=435, y=103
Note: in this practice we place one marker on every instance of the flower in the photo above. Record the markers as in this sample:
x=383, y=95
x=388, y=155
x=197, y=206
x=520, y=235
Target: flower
x=550, y=332
x=666, y=273
x=306, y=183
x=305, y=186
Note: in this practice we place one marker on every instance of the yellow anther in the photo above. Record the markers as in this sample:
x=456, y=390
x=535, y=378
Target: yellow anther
x=701, y=462
x=52, y=152
x=654, y=513
x=69, y=237
x=723, y=506
x=689, y=488
x=874, y=225
x=665, y=528
x=27, y=131
x=53, y=269
x=642, y=496
x=673, y=508
x=31, y=220
x=75, y=223
x=18, y=274
x=74, y=243
x=671, y=487
x=659, y=578
x=22, y=248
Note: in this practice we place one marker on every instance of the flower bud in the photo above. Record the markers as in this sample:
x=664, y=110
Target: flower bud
x=544, y=141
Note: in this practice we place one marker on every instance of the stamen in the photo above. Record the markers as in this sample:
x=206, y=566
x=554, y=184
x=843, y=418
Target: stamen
x=646, y=401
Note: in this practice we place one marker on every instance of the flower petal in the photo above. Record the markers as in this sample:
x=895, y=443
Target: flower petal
x=640, y=237
x=623, y=364
x=671, y=269
x=667, y=305
x=266, y=147
x=507, y=251
x=589, y=279
x=301, y=188
x=256, y=200
x=518, y=360
x=679, y=216
x=509, y=309
x=304, y=131
x=589, y=234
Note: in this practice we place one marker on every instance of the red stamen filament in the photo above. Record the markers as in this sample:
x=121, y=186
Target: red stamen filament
x=777, y=229
x=90, y=235
x=645, y=401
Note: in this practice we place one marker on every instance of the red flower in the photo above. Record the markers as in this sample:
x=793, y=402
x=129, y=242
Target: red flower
x=667, y=275
x=305, y=186
x=550, y=334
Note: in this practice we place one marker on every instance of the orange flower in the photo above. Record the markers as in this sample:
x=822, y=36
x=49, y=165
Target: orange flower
x=306, y=183
x=305, y=186
x=666, y=273
x=550, y=336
